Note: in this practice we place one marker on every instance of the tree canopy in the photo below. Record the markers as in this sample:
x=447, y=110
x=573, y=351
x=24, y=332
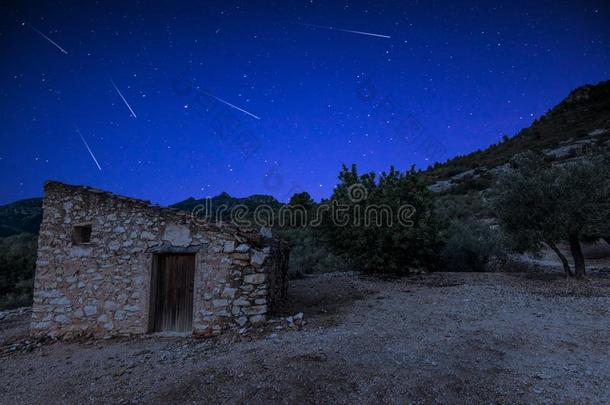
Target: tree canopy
x=538, y=203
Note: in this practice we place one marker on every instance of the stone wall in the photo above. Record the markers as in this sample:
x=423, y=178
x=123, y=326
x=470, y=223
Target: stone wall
x=103, y=287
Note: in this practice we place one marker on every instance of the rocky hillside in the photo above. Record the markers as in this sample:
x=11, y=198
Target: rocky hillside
x=579, y=124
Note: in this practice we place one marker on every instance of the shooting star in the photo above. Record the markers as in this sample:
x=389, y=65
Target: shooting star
x=230, y=105
x=47, y=38
x=125, y=101
x=345, y=30
x=88, y=148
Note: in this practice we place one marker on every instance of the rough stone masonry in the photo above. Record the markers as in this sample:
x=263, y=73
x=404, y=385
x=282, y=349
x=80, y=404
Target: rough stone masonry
x=95, y=255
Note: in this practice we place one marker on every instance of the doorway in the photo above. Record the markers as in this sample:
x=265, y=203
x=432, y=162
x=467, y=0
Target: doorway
x=172, y=281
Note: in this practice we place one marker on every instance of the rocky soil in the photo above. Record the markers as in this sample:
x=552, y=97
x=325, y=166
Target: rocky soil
x=451, y=338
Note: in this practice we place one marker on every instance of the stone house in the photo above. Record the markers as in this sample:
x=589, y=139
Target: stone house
x=111, y=265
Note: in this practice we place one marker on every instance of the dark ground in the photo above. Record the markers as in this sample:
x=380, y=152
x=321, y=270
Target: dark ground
x=445, y=337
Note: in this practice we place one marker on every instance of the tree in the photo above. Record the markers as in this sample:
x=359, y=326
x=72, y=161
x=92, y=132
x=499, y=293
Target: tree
x=302, y=199
x=391, y=226
x=538, y=204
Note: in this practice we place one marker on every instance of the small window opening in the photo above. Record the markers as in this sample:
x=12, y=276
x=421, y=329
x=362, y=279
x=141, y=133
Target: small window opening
x=81, y=234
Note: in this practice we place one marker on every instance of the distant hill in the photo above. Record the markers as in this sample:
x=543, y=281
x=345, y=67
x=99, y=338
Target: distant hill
x=224, y=199
x=23, y=216
x=577, y=125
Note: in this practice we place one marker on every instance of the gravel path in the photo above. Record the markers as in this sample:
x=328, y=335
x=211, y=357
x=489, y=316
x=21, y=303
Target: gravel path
x=451, y=338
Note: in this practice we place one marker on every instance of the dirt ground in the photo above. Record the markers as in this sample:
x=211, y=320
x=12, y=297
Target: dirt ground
x=445, y=337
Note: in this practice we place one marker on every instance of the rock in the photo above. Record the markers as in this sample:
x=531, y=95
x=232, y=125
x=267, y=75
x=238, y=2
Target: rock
x=147, y=235
x=61, y=318
x=228, y=292
x=90, y=310
x=257, y=258
x=257, y=318
x=229, y=246
x=60, y=301
x=257, y=278
x=220, y=303
x=255, y=310
x=241, y=302
x=295, y=321
x=177, y=235
x=266, y=232
x=242, y=248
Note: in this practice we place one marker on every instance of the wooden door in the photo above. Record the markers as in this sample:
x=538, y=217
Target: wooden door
x=173, y=301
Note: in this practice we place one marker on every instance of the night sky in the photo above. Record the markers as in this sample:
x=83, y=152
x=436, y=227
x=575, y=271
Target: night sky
x=255, y=97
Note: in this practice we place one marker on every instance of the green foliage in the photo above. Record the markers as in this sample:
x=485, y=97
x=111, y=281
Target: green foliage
x=539, y=203
x=302, y=199
x=452, y=207
x=470, y=246
x=526, y=202
x=383, y=246
x=17, y=264
x=309, y=254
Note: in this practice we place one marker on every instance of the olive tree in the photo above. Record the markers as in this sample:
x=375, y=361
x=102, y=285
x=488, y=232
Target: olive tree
x=537, y=203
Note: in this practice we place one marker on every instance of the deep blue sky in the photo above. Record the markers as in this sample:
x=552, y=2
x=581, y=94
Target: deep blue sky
x=466, y=72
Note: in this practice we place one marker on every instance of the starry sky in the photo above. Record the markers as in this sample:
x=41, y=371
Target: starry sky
x=166, y=100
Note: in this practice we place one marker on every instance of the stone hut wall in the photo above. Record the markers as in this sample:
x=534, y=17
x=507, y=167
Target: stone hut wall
x=103, y=287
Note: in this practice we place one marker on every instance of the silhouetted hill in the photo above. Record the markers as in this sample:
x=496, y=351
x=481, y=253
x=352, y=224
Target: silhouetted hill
x=22, y=216
x=225, y=200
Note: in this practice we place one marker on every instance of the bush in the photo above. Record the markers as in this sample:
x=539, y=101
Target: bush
x=470, y=246
x=309, y=255
x=389, y=246
x=17, y=264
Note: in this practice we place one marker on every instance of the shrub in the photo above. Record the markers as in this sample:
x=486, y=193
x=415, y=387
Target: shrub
x=385, y=246
x=470, y=246
x=17, y=263
x=309, y=255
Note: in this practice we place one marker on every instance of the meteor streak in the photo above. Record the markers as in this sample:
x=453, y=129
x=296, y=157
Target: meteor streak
x=47, y=38
x=88, y=148
x=345, y=30
x=125, y=101
x=230, y=105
